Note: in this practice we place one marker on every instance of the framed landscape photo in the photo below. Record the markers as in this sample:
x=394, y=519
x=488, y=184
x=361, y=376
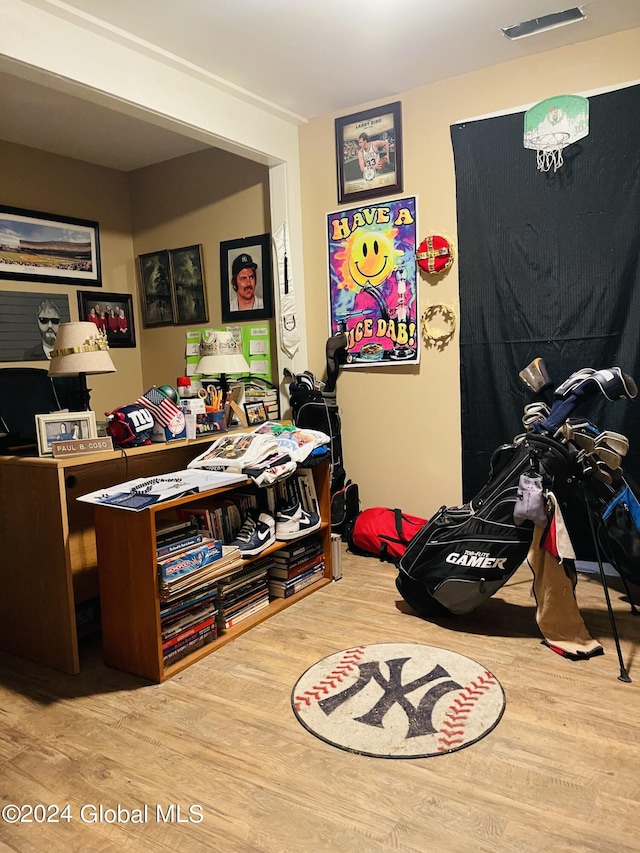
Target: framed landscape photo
x=155, y=289
x=37, y=246
x=187, y=281
x=64, y=426
x=369, y=153
x=112, y=314
x=245, y=279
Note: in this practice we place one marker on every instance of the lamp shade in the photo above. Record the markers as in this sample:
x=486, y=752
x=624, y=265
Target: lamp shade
x=80, y=348
x=220, y=354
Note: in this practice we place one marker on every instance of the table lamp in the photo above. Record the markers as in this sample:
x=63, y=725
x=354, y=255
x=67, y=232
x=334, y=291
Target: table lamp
x=220, y=355
x=80, y=350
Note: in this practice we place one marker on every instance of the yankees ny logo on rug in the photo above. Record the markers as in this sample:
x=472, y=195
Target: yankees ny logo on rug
x=398, y=700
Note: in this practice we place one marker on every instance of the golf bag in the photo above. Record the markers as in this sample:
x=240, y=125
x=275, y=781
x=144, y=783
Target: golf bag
x=464, y=554
x=315, y=409
x=314, y=405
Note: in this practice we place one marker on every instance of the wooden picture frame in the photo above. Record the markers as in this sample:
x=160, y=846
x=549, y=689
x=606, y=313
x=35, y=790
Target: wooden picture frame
x=156, y=293
x=64, y=426
x=187, y=285
x=256, y=413
x=112, y=313
x=257, y=251
x=36, y=246
x=369, y=153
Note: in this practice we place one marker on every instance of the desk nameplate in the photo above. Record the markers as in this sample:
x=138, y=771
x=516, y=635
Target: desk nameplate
x=80, y=445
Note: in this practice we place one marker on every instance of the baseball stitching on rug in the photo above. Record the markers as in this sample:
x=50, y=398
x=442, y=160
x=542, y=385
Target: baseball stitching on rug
x=345, y=665
x=452, y=731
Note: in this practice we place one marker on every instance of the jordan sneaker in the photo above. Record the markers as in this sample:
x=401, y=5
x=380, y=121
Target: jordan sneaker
x=294, y=521
x=255, y=535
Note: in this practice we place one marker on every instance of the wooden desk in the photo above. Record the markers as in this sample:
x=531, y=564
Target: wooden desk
x=48, y=560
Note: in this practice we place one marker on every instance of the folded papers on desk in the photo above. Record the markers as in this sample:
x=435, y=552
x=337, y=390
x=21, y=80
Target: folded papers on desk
x=143, y=492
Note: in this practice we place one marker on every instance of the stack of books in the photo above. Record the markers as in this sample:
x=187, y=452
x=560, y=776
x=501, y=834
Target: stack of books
x=258, y=390
x=189, y=564
x=188, y=623
x=173, y=536
x=221, y=519
x=299, y=488
x=243, y=593
x=295, y=567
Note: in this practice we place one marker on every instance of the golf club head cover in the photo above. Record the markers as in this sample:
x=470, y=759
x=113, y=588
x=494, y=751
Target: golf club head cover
x=611, y=382
x=336, y=353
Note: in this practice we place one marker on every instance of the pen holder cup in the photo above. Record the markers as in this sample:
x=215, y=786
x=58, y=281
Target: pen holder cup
x=210, y=422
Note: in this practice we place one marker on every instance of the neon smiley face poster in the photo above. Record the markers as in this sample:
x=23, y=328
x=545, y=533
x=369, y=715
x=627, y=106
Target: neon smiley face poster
x=373, y=289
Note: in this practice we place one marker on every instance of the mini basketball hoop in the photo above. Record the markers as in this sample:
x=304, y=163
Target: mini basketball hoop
x=553, y=124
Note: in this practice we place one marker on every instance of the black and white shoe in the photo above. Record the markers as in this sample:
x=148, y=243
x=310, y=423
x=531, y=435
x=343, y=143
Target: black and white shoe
x=255, y=535
x=294, y=521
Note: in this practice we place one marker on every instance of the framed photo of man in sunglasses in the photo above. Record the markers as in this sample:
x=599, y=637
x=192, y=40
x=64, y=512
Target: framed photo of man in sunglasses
x=29, y=323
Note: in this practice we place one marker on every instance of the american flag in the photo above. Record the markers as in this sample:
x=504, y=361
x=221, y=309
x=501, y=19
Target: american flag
x=161, y=407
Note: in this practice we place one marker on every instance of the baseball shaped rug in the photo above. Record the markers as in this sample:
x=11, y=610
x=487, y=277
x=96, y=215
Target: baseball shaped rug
x=398, y=700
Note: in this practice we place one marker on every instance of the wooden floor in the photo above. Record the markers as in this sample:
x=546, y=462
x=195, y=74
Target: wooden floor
x=560, y=772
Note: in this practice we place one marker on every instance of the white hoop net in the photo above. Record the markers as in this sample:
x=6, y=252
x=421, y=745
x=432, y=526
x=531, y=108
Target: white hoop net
x=548, y=148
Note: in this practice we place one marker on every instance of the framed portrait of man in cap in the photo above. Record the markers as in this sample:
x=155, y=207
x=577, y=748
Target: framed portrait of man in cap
x=245, y=277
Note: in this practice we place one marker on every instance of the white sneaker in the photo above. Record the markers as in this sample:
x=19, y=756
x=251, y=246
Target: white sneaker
x=294, y=522
x=255, y=535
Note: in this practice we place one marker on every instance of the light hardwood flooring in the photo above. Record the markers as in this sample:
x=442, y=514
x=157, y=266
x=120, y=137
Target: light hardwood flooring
x=559, y=773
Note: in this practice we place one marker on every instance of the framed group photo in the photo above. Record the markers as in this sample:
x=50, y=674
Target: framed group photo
x=37, y=246
x=369, y=153
x=245, y=279
x=64, y=426
x=112, y=314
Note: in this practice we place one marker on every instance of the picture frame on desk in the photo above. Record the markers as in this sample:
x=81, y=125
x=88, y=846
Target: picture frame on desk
x=256, y=413
x=64, y=426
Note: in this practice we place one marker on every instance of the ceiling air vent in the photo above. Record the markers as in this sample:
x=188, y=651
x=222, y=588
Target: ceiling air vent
x=546, y=22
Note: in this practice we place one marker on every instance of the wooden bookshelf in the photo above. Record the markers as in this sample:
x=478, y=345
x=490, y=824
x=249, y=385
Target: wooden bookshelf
x=48, y=566
x=129, y=596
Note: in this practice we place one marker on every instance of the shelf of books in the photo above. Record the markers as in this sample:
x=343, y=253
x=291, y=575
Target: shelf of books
x=173, y=587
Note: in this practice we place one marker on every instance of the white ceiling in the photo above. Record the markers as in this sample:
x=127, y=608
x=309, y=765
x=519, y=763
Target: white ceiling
x=304, y=58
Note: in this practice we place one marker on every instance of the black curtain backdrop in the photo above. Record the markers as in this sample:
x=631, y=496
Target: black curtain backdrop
x=549, y=265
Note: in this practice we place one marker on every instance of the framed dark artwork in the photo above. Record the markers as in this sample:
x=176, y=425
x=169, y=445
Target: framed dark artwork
x=29, y=323
x=369, y=153
x=155, y=289
x=245, y=279
x=187, y=281
x=37, y=246
x=112, y=313
x=256, y=413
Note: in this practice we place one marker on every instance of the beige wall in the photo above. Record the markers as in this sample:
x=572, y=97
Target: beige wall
x=401, y=426
x=35, y=180
x=201, y=198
